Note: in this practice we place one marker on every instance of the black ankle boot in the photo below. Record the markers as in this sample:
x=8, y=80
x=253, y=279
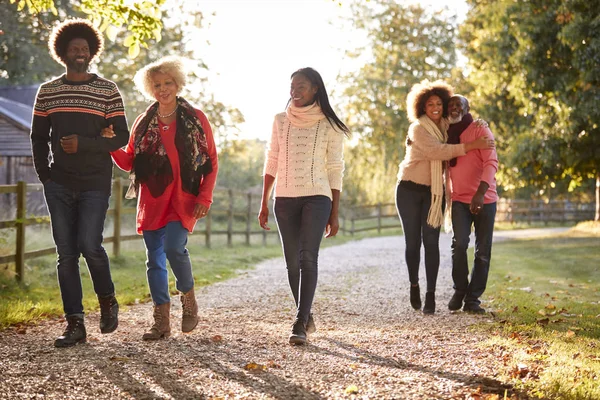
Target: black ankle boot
x=429, y=307
x=456, y=302
x=298, y=335
x=75, y=333
x=415, y=297
x=109, y=313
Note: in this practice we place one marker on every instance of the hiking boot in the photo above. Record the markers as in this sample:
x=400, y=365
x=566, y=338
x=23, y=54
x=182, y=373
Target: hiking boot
x=109, y=313
x=75, y=333
x=456, y=302
x=473, y=308
x=298, y=336
x=429, y=307
x=310, y=325
x=189, y=317
x=415, y=297
x=162, y=323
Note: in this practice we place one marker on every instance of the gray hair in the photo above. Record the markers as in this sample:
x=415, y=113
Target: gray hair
x=170, y=65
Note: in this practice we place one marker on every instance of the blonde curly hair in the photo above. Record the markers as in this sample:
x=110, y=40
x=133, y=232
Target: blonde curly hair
x=421, y=92
x=170, y=65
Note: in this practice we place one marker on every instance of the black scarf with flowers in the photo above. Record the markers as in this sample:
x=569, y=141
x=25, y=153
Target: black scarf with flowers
x=151, y=165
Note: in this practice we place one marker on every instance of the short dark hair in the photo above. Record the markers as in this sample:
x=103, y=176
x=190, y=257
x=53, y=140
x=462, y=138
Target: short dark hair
x=321, y=97
x=421, y=92
x=78, y=28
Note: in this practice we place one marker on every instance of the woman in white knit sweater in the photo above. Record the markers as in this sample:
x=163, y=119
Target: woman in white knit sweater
x=304, y=158
x=420, y=191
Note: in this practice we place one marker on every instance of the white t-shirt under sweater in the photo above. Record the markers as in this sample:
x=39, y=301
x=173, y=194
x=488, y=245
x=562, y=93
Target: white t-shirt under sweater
x=416, y=166
x=305, y=161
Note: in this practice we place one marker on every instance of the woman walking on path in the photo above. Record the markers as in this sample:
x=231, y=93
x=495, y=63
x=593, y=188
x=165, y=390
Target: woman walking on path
x=305, y=154
x=173, y=162
x=420, y=190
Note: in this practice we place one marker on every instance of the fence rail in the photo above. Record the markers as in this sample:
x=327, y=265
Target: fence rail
x=234, y=213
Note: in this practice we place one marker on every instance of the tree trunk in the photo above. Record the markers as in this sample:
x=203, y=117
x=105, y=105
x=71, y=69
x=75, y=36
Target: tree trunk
x=597, y=217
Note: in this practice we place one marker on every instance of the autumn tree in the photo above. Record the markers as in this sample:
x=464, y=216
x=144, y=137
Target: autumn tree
x=405, y=44
x=534, y=69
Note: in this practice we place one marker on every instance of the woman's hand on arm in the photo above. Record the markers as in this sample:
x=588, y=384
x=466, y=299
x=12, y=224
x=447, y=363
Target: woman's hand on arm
x=481, y=143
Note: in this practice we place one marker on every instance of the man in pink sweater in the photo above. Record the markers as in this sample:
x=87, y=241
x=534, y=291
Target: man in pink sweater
x=474, y=197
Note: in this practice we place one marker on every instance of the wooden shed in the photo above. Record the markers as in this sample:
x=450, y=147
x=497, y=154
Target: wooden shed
x=16, y=163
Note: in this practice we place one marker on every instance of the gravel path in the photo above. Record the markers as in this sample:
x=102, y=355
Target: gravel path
x=369, y=344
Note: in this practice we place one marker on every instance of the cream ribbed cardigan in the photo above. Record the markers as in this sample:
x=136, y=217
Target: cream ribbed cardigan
x=305, y=161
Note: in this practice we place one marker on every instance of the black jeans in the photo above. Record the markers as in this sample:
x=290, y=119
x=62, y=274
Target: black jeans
x=462, y=221
x=301, y=222
x=413, y=207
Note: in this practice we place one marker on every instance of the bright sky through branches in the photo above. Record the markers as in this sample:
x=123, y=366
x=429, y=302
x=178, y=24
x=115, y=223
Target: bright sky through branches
x=255, y=45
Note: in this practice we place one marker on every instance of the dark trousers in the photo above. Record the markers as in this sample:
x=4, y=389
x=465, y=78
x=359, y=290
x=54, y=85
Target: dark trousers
x=77, y=220
x=301, y=222
x=413, y=207
x=462, y=222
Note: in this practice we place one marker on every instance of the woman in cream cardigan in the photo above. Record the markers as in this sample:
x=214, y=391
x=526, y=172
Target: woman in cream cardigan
x=304, y=158
x=420, y=191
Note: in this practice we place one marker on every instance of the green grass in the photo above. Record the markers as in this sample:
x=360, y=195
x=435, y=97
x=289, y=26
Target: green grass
x=545, y=296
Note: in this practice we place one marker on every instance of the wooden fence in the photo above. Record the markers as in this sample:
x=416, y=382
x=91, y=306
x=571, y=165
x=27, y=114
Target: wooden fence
x=234, y=214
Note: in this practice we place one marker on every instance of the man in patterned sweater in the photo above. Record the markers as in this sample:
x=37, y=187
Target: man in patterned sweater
x=73, y=162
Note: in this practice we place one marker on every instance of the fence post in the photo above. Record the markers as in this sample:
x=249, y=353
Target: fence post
x=248, y=217
x=352, y=225
x=230, y=219
x=20, y=225
x=378, y=217
x=208, y=221
x=118, y=190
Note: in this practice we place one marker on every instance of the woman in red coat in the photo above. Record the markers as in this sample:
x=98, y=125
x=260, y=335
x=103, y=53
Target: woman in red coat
x=172, y=158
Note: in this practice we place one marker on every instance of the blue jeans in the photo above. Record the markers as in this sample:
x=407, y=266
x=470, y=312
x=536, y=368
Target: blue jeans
x=301, y=222
x=413, y=207
x=77, y=220
x=162, y=244
x=462, y=221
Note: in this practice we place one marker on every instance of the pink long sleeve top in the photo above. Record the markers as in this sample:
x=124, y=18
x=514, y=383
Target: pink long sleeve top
x=174, y=204
x=474, y=167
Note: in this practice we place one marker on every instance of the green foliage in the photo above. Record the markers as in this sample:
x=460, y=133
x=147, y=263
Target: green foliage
x=406, y=45
x=141, y=18
x=531, y=66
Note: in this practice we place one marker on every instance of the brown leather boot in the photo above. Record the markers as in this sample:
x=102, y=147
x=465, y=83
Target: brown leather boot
x=162, y=324
x=189, y=318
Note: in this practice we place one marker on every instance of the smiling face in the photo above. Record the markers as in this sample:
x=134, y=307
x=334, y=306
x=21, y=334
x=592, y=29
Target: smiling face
x=458, y=107
x=302, y=91
x=77, y=56
x=434, y=108
x=164, y=89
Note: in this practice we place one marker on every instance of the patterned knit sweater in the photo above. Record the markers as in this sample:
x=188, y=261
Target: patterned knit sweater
x=65, y=108
x=305, y=161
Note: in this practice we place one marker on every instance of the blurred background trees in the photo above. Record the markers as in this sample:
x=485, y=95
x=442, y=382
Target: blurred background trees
x=529, y=68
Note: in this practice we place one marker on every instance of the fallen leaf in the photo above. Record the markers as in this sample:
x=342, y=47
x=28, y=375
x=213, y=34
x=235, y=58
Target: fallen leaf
x=515, y=309
x=543, y=321
x=352, y=389
x=217, y=338
x=570, y=334
x=527, y=289
x=253, y=367
x=550, y=307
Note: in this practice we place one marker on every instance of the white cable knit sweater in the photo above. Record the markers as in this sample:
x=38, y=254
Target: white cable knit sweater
x=305, y=161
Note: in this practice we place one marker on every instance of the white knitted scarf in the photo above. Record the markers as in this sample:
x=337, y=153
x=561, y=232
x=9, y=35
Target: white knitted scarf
x=435, y=218
x=304, y=117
